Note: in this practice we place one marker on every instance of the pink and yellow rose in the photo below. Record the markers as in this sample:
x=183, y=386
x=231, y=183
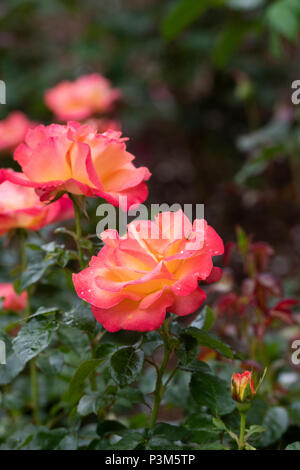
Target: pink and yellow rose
x=13, y=130
x=20, y=207
x=152, y=269
x=75, y=158
x=11, y=300
x=80, y=99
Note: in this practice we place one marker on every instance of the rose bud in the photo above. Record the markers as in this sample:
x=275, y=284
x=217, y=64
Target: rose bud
x=242, y=387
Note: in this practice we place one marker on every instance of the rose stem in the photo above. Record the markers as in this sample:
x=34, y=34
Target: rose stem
x=78, y=230
x=160, y=387
x=242, y=431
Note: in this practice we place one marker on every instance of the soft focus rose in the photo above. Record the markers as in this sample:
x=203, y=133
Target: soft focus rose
x=242, y=387
x=80, y=99
x=11, y=300
x=104, y=124
x=135, y=279
x=13, y=130
x=20, y=207
x=76, y=159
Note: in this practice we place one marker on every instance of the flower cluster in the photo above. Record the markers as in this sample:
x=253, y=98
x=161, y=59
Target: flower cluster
x=136, y=278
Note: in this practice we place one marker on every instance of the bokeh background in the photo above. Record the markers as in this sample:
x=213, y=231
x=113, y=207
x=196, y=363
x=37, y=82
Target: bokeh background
x=206, y=98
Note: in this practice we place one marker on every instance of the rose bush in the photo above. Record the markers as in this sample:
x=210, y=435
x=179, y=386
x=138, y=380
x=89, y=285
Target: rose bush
x=71, y=378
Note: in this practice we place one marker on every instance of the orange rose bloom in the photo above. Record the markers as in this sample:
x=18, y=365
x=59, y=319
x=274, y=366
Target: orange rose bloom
x=76, y=159
x=80, y=99
x=11, y=300
x=155, y=267
x=13, y=130
x=20, y=207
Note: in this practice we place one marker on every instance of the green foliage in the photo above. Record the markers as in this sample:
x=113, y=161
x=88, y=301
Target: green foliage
x=126, y=364
x=14, y=364
x=184, y=13
x=33, y=338
x=293, y=446
x=275, y=422
x=76, y=386
x=211, y=391
x=211, y=341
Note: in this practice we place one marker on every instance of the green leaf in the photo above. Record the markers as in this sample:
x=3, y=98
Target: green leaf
x=294, y=412
x=126, y=364
x=245, y=4
x=104, y=350
x=196, y=366
x=293, y=446
x=80, y=317
x=205, y=319
x=254, y=429
x=128, y=395
x=184, y=13
x=78, y=342
x=213, y=392
x=13, y=365
x=161, y=443
x=46, y=439
x=212, y=446
x=33, y=338
x=88, y=404
x=151, y=342
x=219, y=424
x=77, y=383
x=174, y=433
x=209, y=340
x=35, y=271
x=43, y=311
x=20, y=438
x=51, y=362
x=255, y=166
x=188, y=349
x=228, y=42
x=282, y=18
x=129, y=441
x=276, y=423
x=110, y=427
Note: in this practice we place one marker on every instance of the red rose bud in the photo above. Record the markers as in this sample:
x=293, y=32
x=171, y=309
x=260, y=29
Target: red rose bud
x=242, y=387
